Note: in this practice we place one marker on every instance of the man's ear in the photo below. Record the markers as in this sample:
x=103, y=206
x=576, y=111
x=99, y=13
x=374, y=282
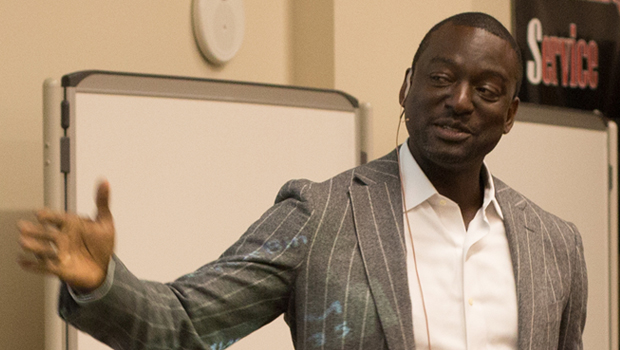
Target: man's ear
x=510, y=116
x=404, y=90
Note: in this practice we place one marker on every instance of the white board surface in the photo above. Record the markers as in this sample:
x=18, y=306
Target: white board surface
x=189, y=176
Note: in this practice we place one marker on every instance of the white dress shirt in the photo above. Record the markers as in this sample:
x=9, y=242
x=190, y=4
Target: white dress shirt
x=466, y=274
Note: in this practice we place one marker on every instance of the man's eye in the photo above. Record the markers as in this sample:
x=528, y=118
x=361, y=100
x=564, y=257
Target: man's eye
x=488, y=93
x=439, y=79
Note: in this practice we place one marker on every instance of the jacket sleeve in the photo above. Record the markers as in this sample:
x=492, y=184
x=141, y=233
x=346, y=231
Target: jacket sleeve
x=244, y=289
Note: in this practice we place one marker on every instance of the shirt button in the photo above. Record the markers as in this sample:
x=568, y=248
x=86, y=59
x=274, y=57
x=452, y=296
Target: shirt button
x=471, y=302
x=442, y=202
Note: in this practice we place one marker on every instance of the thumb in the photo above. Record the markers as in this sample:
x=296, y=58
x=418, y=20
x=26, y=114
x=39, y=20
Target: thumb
x=103, y=201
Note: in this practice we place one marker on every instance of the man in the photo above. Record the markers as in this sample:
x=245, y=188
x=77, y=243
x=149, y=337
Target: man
x=419, y=249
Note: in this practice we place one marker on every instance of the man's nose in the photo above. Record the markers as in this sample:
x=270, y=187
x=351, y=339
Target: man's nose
x=460, y=99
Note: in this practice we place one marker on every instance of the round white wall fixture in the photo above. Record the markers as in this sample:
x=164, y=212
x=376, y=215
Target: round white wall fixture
x=218, y=28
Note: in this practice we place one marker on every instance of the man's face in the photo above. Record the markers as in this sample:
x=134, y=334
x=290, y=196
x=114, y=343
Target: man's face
x=461, y=97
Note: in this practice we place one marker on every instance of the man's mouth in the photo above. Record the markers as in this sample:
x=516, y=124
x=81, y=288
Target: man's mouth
x=453, y=132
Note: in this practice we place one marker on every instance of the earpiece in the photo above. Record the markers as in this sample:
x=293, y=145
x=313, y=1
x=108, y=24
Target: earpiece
x=407, y=87
x=408, y=80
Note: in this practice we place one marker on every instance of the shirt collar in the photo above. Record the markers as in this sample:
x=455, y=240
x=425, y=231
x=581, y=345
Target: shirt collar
x=418, y=188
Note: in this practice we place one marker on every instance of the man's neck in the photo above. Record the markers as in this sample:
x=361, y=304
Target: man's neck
x=465, y=186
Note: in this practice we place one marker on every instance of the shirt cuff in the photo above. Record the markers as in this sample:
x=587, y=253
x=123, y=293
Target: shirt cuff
x=98, y=293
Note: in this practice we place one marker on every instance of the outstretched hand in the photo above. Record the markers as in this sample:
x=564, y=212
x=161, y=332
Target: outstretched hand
x=76, y=249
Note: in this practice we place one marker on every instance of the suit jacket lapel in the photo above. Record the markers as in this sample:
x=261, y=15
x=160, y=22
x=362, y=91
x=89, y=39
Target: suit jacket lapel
x=377, y=210
x=523, y=230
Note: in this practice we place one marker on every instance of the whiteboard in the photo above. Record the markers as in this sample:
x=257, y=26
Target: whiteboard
x=566, y=162
x=192, y=163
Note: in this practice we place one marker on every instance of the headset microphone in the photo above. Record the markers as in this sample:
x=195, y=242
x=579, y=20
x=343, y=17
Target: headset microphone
x=402, y=189
x=408, y=82
x=407, y=88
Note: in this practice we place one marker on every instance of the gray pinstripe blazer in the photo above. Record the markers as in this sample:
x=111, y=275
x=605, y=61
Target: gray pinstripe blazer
x=331, y=257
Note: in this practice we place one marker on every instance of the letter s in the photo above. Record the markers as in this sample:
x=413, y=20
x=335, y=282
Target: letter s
x=534, y=36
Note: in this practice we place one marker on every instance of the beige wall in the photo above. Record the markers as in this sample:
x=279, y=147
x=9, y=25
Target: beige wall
x=361, y=47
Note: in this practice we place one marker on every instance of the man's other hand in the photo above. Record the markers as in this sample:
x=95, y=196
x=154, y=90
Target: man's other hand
x=76, y=249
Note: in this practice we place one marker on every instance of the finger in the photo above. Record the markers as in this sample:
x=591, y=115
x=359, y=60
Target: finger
x=39, y=248
x=29, y=264
x=103, y=201
x=41, y=266
x=46, y=216
x=39, y=240
x=28, y=229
